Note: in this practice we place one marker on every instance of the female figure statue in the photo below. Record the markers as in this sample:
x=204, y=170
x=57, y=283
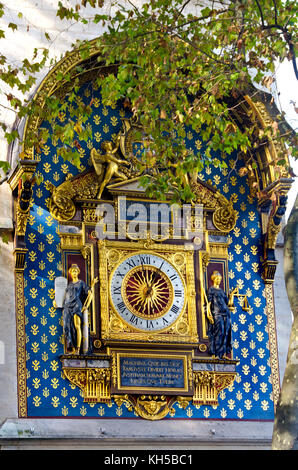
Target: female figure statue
x=77, y=299
x=219, y=317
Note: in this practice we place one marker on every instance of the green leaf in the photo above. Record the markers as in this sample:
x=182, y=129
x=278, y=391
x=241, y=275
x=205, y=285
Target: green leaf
x=13, y=26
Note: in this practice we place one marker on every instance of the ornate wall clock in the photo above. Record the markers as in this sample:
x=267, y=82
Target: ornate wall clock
x=147, y=293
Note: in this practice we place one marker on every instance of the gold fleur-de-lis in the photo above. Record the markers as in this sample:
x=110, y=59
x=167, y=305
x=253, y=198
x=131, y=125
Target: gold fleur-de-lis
x=53, y=330
x=73, y=402
x=51, y=275
x=40, y=228
x=44, y=338
x=34, y=311
x=97, y=136
x=52, y=312
x=35, y=347
x=64, y=168
x=39, y=193
x=32, y=274
x=96, y=119
x=46, y=149
x=47, y=167
x=56, y=176
x=32, y=237
x=33, y=293
x=53, y=347
x=41, y=247
x=50, y=256
x=55, y=383
x=41, y=265
x=114, y=121
x=49, y=221
x=51, y=293
x=45, y=356
x=55, y=159
x=55, y=402
x=36, y=365
x=36, y=401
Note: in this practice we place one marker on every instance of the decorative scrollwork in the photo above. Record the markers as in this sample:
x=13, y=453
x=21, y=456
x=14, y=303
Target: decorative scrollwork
x=224, y=218
x=151, y=407
x=61, y=204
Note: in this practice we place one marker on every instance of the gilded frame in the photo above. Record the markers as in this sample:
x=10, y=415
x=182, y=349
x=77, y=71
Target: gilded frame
x=113, y=328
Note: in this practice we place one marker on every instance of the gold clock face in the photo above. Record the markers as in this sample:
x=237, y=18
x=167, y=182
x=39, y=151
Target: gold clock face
x=147, y=292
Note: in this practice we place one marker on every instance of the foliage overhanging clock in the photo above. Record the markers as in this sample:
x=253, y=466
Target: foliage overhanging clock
x=147, y=293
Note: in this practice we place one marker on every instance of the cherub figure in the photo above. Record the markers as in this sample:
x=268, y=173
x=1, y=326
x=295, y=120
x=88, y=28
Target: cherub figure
x=111, y=163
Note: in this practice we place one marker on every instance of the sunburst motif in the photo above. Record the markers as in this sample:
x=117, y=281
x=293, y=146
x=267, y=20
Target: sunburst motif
x=147, y=292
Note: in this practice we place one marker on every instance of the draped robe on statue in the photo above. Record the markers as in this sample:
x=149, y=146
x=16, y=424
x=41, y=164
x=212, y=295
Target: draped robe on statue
x=75, y=296
x=219, y=332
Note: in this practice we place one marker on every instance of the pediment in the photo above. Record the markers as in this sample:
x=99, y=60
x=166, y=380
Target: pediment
x=132, y=186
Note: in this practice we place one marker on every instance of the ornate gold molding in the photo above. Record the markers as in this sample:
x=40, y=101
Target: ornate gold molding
x=208, y=385
x=151, y=407
x=95, y=383
x=272, y=341
x=21, y=344
x=224, y=216
x=71, y=241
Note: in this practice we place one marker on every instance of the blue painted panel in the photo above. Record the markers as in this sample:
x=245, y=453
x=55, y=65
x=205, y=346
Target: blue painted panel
x=49, y=393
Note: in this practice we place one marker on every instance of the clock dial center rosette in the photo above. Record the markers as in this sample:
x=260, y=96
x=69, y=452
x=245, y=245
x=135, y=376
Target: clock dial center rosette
x=147, y=292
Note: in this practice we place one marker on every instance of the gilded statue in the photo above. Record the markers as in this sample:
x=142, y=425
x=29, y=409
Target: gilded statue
x=78, y=296
x=107, y=164
x=89, y=184
x=219, y=307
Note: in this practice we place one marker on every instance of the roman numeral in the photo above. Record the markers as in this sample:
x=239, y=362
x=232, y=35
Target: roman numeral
x=131, y=263
x=145, y=259
x=134, y=319
x=121, y=306
x=178, y=293
x=150, y=324
x=117, y=290
x=173, y=277
x=175, y=309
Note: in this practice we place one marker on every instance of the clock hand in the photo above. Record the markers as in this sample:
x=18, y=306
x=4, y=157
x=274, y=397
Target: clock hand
x=154, y=277
x=144, y=274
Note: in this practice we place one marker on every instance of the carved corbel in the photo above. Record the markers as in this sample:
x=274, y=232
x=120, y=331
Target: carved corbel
x=95, y=383
x=22, y=208
x=208, y=385
x=271, y=226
